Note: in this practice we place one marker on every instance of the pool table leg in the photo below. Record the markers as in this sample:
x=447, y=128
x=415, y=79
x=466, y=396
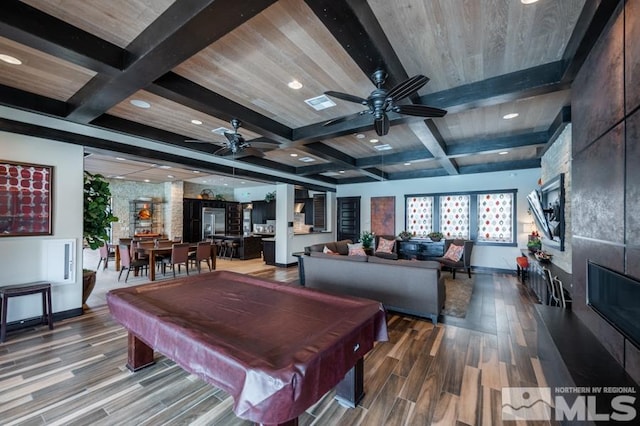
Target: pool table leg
x=139, y=354
x=350, y=390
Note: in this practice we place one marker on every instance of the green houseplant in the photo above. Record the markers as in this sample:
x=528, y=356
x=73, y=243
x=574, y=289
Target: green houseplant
x=97, y=218
x=435, y=236
x=270, y=196
x=405, y=235
x=366, y=238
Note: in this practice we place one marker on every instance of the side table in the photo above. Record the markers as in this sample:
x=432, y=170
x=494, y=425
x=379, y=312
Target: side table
x=41, y=287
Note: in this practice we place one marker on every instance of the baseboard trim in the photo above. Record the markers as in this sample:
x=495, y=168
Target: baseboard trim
x=485, y=270
x=286, y=265
x=36, y=321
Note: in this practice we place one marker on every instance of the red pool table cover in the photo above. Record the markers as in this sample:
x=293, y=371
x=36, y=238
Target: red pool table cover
x=275, y=348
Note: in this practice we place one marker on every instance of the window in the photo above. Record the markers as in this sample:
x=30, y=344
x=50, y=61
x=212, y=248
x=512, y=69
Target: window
x=495, y=217
x=486, y=217
x=454, y=216
x=419, y=215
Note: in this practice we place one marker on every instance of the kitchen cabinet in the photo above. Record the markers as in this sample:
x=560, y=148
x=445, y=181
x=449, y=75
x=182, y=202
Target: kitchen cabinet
x=234, y=218
x=192, y=220
x=269, y=250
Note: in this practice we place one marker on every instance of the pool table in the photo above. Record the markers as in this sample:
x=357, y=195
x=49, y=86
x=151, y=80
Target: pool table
x=277, y=349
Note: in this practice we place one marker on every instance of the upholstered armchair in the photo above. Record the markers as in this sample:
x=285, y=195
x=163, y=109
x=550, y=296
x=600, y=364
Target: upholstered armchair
x=465, y=260
x=394, y=251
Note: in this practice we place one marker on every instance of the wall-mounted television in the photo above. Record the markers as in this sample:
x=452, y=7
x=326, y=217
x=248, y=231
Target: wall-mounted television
x=616, y=297
x=547, y=208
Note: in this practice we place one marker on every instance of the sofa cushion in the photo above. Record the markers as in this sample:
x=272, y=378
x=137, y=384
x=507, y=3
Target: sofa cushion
x=454, y=253
x=392, y=256
x=385, y=246
x=338, y=257
x=356, y=250
x=342, y=246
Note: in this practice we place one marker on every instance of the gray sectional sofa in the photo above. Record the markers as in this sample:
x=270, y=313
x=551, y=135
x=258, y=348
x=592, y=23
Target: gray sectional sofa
x=406, y=286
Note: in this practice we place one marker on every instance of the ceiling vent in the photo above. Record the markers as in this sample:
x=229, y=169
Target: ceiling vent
x=320, y=102
x=383, y=147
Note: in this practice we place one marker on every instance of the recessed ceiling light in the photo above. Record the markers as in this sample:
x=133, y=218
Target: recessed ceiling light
x=226, y=184
x=243, y=182
x=119, y=177
x=528, y=1
x=407, y=164
x=10, y=59
x=170, y=176
x=293, y=155
x=294, y=84
x=120, y=158
x=147, y=180
x=503, y=152
x=510, y=116
x=307, y=159
x=374, y=140
x=196, y=122
x=196, y=171
x=360, y=136
x=165, y=167
x=140, y=103
x=341, y=171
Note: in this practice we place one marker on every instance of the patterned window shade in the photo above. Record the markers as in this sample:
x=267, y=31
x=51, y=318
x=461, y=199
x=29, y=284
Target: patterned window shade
x=454, y=216
x=419, y=212
x=495, y=217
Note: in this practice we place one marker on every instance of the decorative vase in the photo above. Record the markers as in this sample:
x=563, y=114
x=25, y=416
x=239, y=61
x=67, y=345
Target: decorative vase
x=88, y=283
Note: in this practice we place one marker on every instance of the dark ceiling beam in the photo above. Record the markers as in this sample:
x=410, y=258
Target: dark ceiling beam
x=592, y=21
x=427, y=132
x=317, y=131
x=265, y=162
x=533, y=81
x=29, y=129
x=180, y=32
x=500, y=166
x=333, y=155
x=26, y=100
x=356, y=28
x=178, y=89
x=399, y=157
x=31, y=27
x=417, y=174
x=561, y=121
x=475, y=146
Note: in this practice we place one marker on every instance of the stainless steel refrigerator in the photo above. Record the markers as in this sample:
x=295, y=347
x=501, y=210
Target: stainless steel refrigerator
x=213, y=222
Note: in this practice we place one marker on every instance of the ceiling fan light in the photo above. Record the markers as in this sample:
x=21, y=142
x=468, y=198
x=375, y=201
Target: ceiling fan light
x=510, y=115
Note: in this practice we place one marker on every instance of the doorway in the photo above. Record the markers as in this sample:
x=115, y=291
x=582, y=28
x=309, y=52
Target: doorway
x=348, y=220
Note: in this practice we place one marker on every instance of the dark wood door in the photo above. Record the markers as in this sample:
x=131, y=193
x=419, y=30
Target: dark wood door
x=348, y=220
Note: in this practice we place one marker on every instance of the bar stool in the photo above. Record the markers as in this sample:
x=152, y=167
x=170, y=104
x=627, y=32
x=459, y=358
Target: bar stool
x=220, y=246
x=522, y=265
x=231, y=249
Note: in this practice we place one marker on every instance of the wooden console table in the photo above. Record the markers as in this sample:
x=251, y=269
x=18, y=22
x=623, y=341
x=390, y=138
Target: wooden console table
x=41, y=287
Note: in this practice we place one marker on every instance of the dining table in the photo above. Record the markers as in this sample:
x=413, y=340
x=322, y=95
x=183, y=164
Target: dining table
x=152, y=252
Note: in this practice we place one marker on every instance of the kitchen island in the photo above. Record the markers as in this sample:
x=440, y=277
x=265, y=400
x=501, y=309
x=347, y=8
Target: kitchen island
x=249, y=246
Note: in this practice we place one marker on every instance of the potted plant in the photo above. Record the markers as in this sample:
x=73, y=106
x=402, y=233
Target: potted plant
x=366, y=238
x=97, y=219
x=534, y=244
x=270, y=196
x=405, y=235
x=435, y=236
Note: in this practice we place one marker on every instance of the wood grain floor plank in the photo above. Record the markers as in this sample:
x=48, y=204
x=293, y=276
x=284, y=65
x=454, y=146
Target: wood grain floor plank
x=76, y=375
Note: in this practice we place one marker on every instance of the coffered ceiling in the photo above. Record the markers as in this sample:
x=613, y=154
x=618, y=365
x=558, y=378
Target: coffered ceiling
x=207, y=62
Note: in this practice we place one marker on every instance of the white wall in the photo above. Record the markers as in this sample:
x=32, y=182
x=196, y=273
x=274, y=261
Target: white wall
x=252, y=193
x=483, y=256
x=22, y=258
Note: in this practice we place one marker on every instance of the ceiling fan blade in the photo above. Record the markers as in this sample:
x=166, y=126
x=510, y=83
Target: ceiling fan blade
x=232, y=137
x=382, y=125
x=197, y=141
x=346, y=118
x=346, y=97
x=419, y=110
x=252, y=151
x=222, y=151
x=407, y=87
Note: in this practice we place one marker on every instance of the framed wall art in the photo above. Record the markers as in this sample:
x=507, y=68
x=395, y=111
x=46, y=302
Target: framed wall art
x=383, y=215
x=25, y=199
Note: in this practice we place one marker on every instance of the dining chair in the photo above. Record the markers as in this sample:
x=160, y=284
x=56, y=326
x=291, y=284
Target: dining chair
x=202, y=253
x=127, y=262
x=179, y=256
x=104, y=256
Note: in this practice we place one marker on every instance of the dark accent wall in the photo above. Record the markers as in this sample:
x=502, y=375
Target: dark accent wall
x=606, y=176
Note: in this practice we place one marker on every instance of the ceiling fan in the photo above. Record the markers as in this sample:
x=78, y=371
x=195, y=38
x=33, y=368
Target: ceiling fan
x=235, y=143
x=382, y=101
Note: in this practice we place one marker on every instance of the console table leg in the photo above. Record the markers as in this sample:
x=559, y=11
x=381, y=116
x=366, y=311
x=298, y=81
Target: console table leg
x=139, y=354
x=350, y=390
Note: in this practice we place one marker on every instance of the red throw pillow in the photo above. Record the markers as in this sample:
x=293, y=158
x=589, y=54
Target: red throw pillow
x=385, y=246
x=356, y=250
x=454, y=253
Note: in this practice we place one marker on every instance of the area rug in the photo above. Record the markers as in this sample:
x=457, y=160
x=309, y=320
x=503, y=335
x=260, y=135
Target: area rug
x=458, y=293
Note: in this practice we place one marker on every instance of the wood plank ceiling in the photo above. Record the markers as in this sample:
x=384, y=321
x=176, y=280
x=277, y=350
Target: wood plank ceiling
x=206, y=62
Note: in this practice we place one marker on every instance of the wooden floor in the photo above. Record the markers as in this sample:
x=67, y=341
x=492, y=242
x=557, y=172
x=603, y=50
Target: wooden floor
x=451, y=374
